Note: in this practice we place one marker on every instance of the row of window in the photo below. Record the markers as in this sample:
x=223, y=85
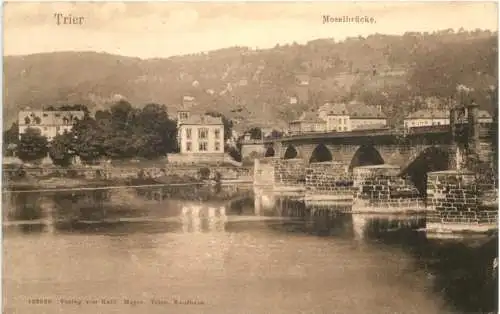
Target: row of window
x=422, y=123
x=38, y=120
x=202, y=133
x=202, y=146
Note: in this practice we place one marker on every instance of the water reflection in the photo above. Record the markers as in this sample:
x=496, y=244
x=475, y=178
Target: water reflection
x=323, y=250
x=203, y=218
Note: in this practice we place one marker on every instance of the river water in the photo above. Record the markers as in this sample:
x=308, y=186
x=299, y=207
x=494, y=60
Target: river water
x=182, y=257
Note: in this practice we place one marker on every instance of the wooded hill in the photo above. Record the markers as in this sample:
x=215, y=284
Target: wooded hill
x=253, y=87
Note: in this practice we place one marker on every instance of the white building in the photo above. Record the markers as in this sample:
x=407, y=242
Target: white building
x=429, y=117
x=200, y=134
x=345, y=117
x=49, y=123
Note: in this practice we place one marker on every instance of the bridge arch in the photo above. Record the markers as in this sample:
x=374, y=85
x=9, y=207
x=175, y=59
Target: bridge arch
x=320, y=153
x=366, y=155
x=430, y=159
x=291, y=152
x=269, y=152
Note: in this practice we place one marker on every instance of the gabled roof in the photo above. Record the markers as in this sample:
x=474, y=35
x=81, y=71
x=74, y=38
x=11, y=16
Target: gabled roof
x=40, y=117
x=203, y=120
x=353, y=109
x=309, y=117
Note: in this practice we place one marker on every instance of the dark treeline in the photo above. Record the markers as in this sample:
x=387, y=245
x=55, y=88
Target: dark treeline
x=118, y=133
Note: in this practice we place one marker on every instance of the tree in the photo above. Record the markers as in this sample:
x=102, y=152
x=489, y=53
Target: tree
x=228, y=124
x=32, y=145
x=154, y=132
x=11, y=136
x=275, y=134
x=255, y=133
x=61, y=150
x=234, y=153
x=89, y=139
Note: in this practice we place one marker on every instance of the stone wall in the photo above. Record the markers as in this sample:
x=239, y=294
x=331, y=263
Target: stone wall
x=456, y=198
x=263, y=174
x=380, y=188
x=289, y=172
x=328, y=177
x=195, y=158
x=227, y=173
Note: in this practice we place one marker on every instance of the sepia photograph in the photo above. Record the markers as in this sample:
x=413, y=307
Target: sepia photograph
x=250, y=157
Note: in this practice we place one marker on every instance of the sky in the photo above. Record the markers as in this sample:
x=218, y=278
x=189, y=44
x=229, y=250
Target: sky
x=161, y=29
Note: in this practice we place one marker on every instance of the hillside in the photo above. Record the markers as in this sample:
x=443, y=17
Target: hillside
x=255, y=86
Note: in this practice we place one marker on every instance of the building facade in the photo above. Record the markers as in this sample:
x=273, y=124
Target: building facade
x=429, y=117
x=309, y=122
x=200, y=134
x=346, y=117
x=49, y=123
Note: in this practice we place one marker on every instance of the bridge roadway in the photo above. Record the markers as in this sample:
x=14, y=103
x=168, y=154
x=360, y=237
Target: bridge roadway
x=433, y=144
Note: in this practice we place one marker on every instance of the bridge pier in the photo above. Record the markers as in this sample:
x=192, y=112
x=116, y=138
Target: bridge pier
x=457, y=204
x=380, y=189
x=328, y=183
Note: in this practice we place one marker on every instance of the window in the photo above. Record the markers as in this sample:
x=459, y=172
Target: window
x=188, y=134
x=203, y=146
x=183, y=115
x=188, y=146
x=203, y=133
x=217, y=133
x=217, y=146
x=58, y=129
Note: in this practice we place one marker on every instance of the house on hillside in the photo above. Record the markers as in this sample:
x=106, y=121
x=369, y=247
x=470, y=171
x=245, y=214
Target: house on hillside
x=188, y=102
x=308, y=122
x=344, y=117
x=49, y=123
x=200, y=138
x=302, y=79
x=429, y=117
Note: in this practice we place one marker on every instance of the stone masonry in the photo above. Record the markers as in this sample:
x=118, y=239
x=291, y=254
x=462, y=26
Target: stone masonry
x=328, y=178
x=456, y=201
x=380, y=188
x=289, y=172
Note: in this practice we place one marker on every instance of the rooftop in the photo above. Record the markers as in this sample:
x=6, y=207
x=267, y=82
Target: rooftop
x=40, y=117
x=203, y=119
x=440, y=114
x=353, y=109
x=309, y=117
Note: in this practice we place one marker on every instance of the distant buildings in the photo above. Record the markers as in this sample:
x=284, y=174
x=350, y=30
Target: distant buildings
x=307, y=123
x=49, y=123
x=345, y=117
x=302, y=79
x=429, y=117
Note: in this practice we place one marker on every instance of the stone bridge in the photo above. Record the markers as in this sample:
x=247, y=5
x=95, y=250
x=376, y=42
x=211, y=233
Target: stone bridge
x=423, y=149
